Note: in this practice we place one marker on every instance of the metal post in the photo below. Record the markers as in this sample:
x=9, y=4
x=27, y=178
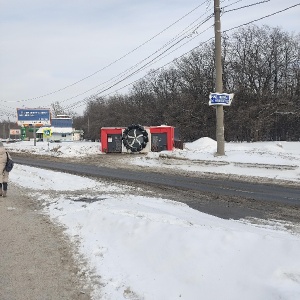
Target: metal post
x=219, y=83
x=34, y=135
x=8, y=129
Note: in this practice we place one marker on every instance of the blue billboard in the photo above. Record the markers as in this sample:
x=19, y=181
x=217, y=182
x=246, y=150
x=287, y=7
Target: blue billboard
x=63, y=123
x=33, y=116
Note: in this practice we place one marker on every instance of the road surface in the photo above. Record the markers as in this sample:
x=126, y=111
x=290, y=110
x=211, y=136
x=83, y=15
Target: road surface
x=211, y=195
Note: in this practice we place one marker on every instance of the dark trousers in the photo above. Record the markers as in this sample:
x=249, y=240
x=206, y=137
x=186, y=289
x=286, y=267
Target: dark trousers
x=4, y=186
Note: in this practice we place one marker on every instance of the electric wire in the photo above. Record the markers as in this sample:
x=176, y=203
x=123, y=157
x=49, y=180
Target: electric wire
x=154, y=60
x=232, y=3
x=75, y=105
x=116, y=82
x=185, y=31
x=264, y=17
x=230, y=29
x=182, y=33
x=246, y=6
x=117, y=60
x=150, y=62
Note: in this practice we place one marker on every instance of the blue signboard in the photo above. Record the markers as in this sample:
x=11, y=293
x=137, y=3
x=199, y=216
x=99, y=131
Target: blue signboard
x=220, y=99
x=33, y=116
x=66, y=123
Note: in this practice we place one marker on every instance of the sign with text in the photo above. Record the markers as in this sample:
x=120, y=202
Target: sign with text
x=220, y=99
x=15, y=131
x=33, y=117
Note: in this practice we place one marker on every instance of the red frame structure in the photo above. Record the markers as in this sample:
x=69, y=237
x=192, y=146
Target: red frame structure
x=105, y=131
x=169, y=130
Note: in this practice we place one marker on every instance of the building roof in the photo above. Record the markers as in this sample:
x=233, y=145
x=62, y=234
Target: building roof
x=57, y=129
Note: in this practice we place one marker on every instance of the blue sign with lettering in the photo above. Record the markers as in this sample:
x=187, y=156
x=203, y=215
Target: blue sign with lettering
x=33, y=116
x=220, y=99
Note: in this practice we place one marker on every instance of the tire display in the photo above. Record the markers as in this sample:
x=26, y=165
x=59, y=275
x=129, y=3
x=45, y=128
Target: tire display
x=135, y=138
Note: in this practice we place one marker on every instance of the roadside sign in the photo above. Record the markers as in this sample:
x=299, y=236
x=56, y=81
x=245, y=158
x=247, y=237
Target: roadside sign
x=15, y=131
x=33, y=116
x=47, y=132
x=220, y=99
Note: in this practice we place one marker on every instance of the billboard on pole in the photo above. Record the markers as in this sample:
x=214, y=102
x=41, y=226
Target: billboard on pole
x=33, y=116
x=15, y=132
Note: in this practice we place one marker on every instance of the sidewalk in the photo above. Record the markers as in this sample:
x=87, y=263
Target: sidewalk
x=35, y=258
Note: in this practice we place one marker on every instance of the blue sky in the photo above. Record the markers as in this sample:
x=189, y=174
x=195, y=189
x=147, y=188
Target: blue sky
x=48, y=45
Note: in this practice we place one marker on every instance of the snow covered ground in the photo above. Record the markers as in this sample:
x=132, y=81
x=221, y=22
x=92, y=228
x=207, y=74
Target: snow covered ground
x=158, y=249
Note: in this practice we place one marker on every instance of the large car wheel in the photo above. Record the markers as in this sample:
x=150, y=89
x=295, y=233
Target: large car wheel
x=135, y=138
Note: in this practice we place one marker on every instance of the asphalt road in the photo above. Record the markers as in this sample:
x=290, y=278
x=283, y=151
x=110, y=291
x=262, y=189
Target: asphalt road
x=286, y=195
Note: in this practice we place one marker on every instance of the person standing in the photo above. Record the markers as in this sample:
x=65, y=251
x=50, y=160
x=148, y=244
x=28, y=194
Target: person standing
x=3, y=174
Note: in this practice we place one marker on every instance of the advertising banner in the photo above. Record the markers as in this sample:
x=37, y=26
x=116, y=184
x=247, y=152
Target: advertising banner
x=15, y=132
x=33, y=117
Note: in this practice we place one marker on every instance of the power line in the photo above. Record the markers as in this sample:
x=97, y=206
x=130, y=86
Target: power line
x=189, y=31
x=115, y=61
x=264, y=17
x=158, y=58
x=117, y=82
x=120, y=75
x=76, y=104
x=246, y=6
x=244, y=24
x=232, y=3
x=185, y=31
x=183, y=35
x=155, y=59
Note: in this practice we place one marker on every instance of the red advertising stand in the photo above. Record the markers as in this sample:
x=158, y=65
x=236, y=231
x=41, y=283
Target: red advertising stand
x=111, y=139
x=162, y=138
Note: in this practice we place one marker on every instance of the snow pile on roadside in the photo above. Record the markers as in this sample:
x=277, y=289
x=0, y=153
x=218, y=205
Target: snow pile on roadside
x=151, y=248
x=274, y=160
x=204, y=144
x=63, y=149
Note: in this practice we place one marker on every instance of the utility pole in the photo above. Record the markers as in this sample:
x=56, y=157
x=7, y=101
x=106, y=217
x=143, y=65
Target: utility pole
x=219, y=81
x=4, y=134
x=34, y=135
x=8, y=129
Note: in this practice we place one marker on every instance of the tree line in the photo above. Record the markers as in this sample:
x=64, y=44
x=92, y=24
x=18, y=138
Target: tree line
x=261, y=66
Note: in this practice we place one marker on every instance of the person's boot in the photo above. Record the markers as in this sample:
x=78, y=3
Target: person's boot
x=1, y=193
x=4, y=193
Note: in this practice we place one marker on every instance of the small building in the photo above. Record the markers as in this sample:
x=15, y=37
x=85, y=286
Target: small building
x=159, y=138
x=58, y=134
x=61, y=134
x=111, y=139
x=61, y=130
x=162, y=138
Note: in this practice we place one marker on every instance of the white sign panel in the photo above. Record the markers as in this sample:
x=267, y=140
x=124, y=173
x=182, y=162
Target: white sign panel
x=15, y=131
x=220, y=99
